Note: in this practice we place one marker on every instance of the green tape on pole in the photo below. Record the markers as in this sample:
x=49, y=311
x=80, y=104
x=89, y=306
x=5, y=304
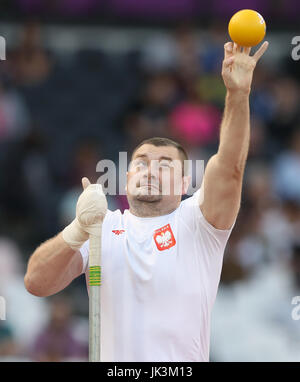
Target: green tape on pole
x=95, y=275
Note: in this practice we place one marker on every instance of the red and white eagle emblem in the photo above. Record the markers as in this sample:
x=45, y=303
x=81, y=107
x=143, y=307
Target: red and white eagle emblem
x=164, y=238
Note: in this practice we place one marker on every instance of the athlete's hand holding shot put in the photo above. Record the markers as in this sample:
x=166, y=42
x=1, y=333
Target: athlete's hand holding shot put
x=162, y=258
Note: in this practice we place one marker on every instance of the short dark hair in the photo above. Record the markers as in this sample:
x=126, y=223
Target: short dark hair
x=159, y=141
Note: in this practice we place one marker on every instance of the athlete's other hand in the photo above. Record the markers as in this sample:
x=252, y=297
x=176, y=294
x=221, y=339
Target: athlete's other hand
x=90, y=211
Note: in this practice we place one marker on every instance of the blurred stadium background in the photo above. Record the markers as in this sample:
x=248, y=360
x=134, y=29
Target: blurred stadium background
x=85, y=79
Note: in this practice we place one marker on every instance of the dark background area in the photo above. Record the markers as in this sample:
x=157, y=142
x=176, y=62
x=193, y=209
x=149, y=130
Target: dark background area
x=284, y=14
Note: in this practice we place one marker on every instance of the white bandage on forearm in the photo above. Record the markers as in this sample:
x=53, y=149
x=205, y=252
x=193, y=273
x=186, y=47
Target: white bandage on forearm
x=74, y=235
x=90, y=212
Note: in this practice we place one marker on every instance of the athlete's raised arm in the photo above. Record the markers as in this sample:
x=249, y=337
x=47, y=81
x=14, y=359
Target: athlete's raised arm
x=223, y=177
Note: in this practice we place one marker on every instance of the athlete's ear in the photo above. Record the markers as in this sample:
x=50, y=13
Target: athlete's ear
x=185, y=184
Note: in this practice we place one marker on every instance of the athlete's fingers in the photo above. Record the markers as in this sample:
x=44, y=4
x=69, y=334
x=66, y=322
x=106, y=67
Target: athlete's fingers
x=85, y=182
x=257, y=55
x=228, y=50
x=247, y=50
x=228, y=62
x=236, y=48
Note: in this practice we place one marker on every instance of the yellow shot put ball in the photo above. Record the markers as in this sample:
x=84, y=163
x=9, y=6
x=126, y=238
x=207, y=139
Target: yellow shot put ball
x=247, y=28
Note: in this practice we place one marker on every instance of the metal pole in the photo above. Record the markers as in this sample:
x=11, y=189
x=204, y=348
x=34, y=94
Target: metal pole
x=94, y=297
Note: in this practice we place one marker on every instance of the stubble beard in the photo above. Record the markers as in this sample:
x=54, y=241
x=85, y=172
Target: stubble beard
x=145, y=204
x=150, y=196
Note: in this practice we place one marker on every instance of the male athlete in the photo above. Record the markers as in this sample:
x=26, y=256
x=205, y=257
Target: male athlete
x=162, y=258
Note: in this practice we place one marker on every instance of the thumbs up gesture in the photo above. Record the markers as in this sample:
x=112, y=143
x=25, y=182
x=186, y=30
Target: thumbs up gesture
x=91, y=206
x=90, y=211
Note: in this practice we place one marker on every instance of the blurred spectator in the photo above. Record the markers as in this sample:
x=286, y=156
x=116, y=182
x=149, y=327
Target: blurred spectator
x=139, y=126
x=262, y=99
x=286, y=171
x=286, y=116
x=149, y=115
x=25, y=313
x=295, y=265
x=194, y=123
x=211, y=89
x=278, y=231
x=161, y=91
x=31, y=62
x=8, y=346
x=188, y=51
x=34, y=204
x=180, y=51
x=14, y=116
x=257, y=326
x=212, y=49
x=159, y=53
x=57, y=341
x=83, y=162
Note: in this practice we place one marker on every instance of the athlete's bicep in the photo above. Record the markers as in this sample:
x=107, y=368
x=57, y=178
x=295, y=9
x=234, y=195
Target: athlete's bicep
x=222, y=188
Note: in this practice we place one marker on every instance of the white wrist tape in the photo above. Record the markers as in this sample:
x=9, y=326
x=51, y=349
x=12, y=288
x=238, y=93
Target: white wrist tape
x=90, y=212
x=74, y=235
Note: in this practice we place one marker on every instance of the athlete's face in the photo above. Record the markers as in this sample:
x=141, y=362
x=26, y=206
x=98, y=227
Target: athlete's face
x=155, y=174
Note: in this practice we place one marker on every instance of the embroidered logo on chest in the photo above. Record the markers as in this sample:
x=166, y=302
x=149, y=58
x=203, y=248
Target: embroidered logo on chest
x=118, y=231
x=164, y=238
